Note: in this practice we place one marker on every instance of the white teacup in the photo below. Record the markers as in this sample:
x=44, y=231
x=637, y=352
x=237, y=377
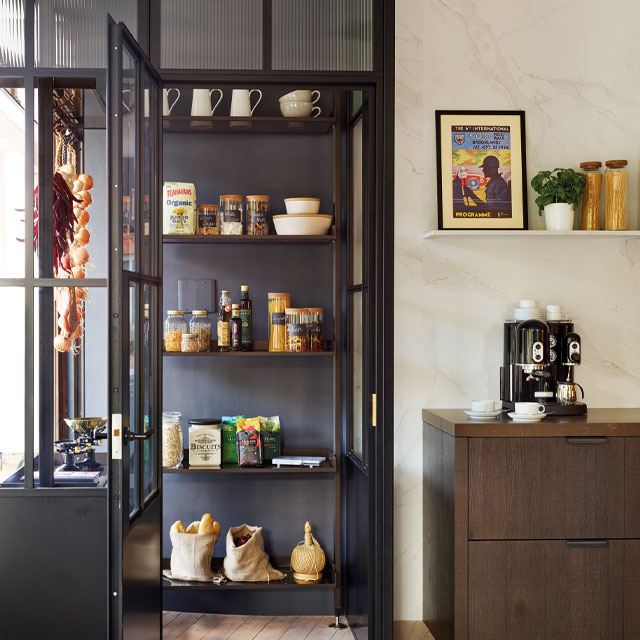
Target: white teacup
x=529, y=408
x=485, y=406
x=555, y=312
x=301, y=95
x=299, y=110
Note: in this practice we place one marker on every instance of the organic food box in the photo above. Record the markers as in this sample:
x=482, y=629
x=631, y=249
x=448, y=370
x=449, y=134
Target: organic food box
x=179, y=208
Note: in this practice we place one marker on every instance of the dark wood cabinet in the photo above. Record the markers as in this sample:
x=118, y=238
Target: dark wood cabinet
x=532, y=531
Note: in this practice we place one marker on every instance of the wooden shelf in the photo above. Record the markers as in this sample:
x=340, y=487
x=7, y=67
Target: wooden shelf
x=249, y=354
x=329, y=466
x=282, y=563
x=533, y=233
x=268, y=240
x=247, y=125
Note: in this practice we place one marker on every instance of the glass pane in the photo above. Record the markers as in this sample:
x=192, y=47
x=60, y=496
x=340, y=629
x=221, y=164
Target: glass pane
x=357, y=364
x=149, y=388
x=211, y=34
x=356, y=203
x=330, y=36
x=129, y=204
x=73, y=33
x=12, y=385
x=12, y=163
x=149, y=170
x=12, y=33
x=133, y=407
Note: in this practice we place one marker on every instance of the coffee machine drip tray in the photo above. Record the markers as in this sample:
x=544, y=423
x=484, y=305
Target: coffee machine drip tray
x=555, y=408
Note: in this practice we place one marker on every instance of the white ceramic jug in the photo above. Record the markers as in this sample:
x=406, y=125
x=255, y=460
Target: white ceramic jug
x=241, y=102
x=166, y=107
x=201, y=104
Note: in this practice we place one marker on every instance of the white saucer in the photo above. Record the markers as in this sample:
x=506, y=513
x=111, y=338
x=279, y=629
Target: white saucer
x=485, y=415
x=519, y=417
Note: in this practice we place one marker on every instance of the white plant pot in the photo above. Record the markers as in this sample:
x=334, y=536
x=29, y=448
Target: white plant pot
x=558, y=216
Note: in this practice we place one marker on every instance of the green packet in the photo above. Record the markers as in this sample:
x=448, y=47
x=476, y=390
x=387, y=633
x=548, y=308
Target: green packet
x=270, y=433
x=229, y=450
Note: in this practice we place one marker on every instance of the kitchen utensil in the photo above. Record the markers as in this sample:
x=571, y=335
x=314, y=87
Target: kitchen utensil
x=566, y=392
x=241, y=102
x=302, y=224
x=302, y=205
x=90, y=431
x=166, y=107
x=201, y=103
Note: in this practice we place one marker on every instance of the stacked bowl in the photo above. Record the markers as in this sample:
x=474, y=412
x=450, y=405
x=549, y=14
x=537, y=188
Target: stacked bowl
x=529, y=310
x=302, y=218
x=300, y=104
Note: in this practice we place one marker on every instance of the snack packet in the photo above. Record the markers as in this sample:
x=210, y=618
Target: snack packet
x=248, y=442
x=270, y=436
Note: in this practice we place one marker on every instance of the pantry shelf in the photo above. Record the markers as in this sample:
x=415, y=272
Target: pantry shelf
x=282, y=563
x=247, y=125
x=249, y=354
x=269, y=240
x=329, y=466
x=530, y=233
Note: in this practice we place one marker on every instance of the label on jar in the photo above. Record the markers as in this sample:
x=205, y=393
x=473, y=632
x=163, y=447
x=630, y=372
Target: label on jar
x=259, y=217
x=277, y=318
x=245, y=316
x=207, y=220
x=205, y=447
x=231, y=215
x=315, y=329
x=223, y=334
x=297, y=330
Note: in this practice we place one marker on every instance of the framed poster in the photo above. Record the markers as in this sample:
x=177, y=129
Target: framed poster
x=481, y=170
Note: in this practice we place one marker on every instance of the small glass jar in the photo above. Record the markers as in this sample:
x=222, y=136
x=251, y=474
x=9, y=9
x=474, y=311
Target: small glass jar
x=208, y=220
x=278, y=303
x=296, y=335
x=616, y=178
x=174, y=326
x=257, y=215
x=189, y=343
x=200, y=327
x=231, y=216
x=315, y=326
x=172, y=440
x=591, y=197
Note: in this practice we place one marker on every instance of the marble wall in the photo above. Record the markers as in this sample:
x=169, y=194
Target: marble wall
x=573, y=66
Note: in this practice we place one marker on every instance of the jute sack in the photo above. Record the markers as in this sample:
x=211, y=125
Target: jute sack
x=191, y=556
x=248, y=563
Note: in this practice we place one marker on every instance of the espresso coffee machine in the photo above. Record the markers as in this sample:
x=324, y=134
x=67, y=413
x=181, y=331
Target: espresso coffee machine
x=538, y=366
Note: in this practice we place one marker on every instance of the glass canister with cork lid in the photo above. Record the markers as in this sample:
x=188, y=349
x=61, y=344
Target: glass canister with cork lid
x=591, y=196
x=174, y=327
x=200, y=326
x=208, y=220
x=230, y=215
x=278, y=303
x=616, y=178
x=257, y=215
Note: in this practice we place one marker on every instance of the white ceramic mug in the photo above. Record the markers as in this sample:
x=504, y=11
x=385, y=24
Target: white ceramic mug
x=555, y=312
x=299, y=110
x=485, y=406
x=166, y=107
x=201, y=103
x=529, y=408
x=301, y=95
x=241, y=102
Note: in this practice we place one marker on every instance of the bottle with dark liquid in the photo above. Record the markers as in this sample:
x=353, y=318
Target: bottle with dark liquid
x=236, y=328
x=224, y=320
x=245, y=316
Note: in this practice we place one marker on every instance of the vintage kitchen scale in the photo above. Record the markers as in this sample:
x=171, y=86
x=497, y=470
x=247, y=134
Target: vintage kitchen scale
x=89, y=432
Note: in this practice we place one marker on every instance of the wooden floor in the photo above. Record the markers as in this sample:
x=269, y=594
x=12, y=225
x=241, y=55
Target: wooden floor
x=208, y=626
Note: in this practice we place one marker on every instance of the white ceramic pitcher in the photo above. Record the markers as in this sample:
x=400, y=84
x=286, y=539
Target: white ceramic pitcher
x=201, y=104
x=166, y=107
x=241, y=102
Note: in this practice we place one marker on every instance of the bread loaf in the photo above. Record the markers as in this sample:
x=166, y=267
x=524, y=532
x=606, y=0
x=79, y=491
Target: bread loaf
x=178, y=527
x=193, y=527
x=206, y=524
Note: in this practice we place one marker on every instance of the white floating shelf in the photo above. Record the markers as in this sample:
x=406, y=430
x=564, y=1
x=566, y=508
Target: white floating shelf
x=437, y=233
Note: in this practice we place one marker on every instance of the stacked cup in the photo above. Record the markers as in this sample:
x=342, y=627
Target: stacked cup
x=529, y=310
x=300, y=104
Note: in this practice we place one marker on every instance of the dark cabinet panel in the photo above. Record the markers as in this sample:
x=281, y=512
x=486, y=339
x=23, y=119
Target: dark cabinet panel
x=632, y=487
x=546, y=488
x=546, y=590
x=632, y=589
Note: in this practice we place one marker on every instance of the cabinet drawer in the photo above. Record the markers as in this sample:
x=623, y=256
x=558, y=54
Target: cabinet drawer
x=549, y=590
x=537, y=488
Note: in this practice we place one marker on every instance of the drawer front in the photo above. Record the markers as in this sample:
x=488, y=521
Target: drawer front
x=540, y=488
x=549, y=590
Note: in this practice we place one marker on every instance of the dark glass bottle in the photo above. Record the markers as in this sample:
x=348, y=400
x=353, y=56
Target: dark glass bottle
x=236, y=328
x=247, y=321
x=224, y=317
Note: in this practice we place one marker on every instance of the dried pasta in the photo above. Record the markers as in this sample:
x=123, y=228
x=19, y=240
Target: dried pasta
x=591, y=201
x=615, y=200
x=278, y=302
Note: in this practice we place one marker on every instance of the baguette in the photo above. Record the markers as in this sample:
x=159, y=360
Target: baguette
x=178, y=527
x=193, y=527
x=206, y=524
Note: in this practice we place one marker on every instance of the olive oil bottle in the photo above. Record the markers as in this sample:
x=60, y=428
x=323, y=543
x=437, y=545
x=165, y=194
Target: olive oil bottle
x=245, y=315
x=224, y=319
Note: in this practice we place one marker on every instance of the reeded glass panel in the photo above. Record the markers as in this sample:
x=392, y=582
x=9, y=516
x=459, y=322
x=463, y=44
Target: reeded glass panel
x=357, y=363
x=133, y=398
x=12, y=163
x=73, y=33
x=328, y=35
x=12, y=33
x=129, y=203
x=211, y=34
x=356, y=203
x=151, y=421
x=12, y=383
x=149, y=141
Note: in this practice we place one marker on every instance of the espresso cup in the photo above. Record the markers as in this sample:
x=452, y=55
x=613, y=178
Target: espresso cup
x=555, y=312
x=529, y=408
x=484, y=406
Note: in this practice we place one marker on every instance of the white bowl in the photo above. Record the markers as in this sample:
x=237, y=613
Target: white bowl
x=302, y=224
x=302, y=205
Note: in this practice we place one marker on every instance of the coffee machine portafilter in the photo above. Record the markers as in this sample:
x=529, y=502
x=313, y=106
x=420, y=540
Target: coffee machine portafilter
x=537, y=357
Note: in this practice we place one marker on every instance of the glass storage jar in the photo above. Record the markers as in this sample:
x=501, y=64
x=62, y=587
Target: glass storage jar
x=591, y=197
x=315, y=327
x=616, y=178
x=174, y=327
x=200, y=326
x=172, y=439
x=189, y=343
x=230, y=215
x=258, y=215
x=296, y=333
x=208, y=220
x=278, y=303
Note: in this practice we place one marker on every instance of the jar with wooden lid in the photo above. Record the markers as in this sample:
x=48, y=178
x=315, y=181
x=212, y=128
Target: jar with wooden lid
x=616, y=178
x=296, y=334
x=230, y=215
x=189, y=343
x=208, y=220
x=278, y=303
x=174, y=327
x=591, y=196
x=200, y=326
x=315, y=328
x=258, y=215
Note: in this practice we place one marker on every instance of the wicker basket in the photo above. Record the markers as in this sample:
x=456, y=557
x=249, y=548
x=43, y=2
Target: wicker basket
x=307, y=559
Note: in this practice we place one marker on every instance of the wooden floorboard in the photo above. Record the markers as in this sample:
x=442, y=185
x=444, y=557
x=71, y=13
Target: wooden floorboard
x=411, y=630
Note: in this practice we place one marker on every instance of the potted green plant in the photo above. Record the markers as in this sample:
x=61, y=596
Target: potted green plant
x=559, y=192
